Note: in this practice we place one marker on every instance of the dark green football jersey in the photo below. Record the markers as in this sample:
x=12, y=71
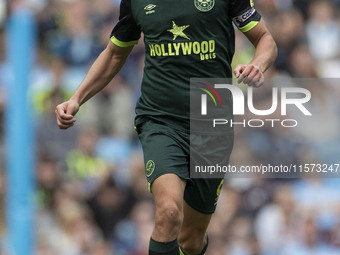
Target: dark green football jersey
x=183, y=39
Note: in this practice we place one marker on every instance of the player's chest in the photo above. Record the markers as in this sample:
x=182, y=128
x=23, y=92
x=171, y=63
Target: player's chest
x=158, y=15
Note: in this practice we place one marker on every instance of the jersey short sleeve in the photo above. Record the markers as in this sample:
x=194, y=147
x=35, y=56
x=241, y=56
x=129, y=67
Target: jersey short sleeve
x=244, y=15
x=126, y=32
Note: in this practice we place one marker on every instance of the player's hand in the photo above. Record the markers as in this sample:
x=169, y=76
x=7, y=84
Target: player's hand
x=65, y=114
x=250, y=75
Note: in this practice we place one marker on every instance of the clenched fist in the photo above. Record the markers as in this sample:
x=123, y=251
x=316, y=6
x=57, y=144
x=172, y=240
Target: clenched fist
x=250, y=75
x=65, y=114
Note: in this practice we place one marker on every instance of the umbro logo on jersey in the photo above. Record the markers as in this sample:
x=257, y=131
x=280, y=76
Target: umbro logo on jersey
x=150, y=8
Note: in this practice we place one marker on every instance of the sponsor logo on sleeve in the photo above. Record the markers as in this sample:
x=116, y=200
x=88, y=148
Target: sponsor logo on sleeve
x=244, y=17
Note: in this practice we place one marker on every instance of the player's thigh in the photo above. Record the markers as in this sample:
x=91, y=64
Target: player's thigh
x=168, y=189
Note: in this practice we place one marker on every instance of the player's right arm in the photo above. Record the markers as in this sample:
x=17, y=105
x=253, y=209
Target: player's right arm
x=124, y=35
x=106, y=66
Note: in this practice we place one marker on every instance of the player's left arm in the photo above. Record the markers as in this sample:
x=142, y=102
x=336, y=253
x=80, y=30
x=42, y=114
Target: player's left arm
x=265, y=54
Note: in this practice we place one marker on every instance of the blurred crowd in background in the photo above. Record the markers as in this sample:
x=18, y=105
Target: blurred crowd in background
x=92, y=197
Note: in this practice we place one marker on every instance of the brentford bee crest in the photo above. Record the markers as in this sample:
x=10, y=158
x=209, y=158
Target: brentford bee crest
x=204, y=5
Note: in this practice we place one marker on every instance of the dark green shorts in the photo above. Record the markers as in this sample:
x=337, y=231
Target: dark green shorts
x=167, y=150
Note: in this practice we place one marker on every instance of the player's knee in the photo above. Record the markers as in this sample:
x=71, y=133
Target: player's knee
x=169, y=217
